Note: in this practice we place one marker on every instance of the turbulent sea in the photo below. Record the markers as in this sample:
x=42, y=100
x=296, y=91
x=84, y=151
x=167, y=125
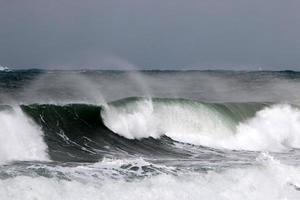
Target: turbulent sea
x=149, y=135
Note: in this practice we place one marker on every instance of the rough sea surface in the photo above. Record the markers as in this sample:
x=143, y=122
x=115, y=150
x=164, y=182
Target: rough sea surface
x=149, y=135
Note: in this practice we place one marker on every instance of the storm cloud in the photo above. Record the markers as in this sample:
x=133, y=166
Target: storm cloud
x=156, y=34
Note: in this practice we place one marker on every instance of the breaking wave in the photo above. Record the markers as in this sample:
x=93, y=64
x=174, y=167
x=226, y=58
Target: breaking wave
x=143, y=127
x=246, y=126
x=21, y=138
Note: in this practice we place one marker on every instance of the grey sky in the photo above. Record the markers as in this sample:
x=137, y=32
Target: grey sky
x=168, y=34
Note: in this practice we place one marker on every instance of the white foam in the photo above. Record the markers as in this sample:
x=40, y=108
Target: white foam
x=20, y=138
x=133, y=122
x=270, y=180
x=107, y=169
x=144, y=118
x=273, y=128
x=3, y=68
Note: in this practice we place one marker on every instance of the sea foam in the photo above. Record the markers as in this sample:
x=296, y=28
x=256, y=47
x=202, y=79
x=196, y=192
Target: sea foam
x=270, y=179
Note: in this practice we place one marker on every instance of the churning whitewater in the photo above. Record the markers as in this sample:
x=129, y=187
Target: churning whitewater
x=149, y=135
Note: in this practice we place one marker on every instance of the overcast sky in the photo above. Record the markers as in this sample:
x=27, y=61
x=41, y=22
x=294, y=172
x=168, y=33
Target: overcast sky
x=160, y=34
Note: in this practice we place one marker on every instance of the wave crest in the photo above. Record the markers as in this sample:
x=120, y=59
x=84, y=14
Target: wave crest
x=232, y=126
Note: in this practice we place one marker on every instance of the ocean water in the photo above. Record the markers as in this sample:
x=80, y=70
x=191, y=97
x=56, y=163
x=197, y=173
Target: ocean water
x=149, y=135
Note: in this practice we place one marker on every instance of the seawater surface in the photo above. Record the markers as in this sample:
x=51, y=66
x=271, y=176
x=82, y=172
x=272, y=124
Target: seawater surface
x=149, y=135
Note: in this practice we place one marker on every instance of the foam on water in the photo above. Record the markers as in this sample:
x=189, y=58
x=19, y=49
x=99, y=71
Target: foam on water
x=268, y=180
x=105, y=170
x=273, y=128
x=20, y=138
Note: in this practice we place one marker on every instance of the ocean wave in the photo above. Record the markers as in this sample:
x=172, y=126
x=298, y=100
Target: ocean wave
x=145, y=127
x=248, y=126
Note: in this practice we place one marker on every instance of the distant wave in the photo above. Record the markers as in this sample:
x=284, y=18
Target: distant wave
x=4, y=68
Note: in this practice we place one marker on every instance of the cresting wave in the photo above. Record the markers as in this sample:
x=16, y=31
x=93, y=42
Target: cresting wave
x=247, y=126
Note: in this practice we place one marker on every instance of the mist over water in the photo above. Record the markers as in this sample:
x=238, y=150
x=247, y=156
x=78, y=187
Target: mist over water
x=87, y=134
x=94, y=86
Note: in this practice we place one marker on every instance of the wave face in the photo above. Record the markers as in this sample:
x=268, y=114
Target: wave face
x=151, y=135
